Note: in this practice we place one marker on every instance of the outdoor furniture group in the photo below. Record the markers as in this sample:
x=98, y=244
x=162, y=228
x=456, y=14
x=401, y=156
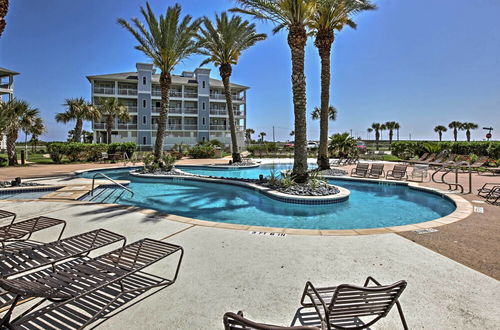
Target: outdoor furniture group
x=364, y=170
x=68, y=287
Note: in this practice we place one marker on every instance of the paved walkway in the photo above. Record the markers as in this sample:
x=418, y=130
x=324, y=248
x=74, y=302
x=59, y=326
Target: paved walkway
x=226, y=270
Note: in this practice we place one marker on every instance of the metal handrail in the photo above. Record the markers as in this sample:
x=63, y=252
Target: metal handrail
x=108, y=178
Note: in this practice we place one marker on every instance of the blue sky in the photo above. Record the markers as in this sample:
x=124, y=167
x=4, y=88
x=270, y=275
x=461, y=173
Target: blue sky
x=418, y=62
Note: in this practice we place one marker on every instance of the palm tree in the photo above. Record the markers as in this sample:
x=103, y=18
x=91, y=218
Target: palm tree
x=4, y=8
x=223, y=44
x=382, y=129
x=332, y=113
x=16, y=115
x=468, y=127
x=292, y=133
x=377, y=128
x=390, y=126
x=330, y=16
x=455, y=125
x=248, y=135
x=112, y=108
x=397, y=127
x=167, y=40
x=261, y=136
x=37, y=129
x=78, y=109
x=440, y=129
x=295, y=16
x=342, y=143
x=369, y=130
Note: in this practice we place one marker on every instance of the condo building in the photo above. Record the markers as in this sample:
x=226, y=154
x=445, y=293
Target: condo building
x=6, y=94
x=197, y=107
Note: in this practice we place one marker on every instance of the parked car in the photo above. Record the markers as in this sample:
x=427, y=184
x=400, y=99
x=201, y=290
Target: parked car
x=288, y=146
x=361, y=146
x=312, y=145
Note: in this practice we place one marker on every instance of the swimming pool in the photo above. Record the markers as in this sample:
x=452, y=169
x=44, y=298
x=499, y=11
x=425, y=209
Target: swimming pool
x=370, y=205
x=240, y=173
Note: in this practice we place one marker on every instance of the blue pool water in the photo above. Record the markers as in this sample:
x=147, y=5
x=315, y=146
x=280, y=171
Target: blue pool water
x=246, y=173
x=370, y=205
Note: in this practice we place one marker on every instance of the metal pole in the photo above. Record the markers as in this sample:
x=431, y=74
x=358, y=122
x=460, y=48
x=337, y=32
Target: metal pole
x=470, y=180
x=274, y=140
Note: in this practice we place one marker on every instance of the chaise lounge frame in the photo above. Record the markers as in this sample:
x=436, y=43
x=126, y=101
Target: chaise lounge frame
x=234, y=321
x=346, y=301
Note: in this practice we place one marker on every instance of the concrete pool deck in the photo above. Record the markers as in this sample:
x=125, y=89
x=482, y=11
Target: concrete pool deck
x=263, y=275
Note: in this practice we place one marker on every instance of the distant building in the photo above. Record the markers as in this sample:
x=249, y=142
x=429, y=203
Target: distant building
x=197, y=107
x=6, y=93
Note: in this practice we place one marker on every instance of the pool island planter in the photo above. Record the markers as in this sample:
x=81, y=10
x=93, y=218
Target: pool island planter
x=341, y=196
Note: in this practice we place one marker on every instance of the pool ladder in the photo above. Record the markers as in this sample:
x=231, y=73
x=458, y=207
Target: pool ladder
x=445, y=171
x=108, y=178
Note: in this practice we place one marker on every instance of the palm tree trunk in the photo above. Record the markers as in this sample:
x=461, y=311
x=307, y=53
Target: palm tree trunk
x=109, y=127
x=323, y=42
x=77, y=136
x=440, y=136
x=11, y=147
x=377, y=138
x=467, y=133
x=4, y=7
x=390, y=137
x=225, y=72
x=165, y=83
x=297, y=41
x=455, y=133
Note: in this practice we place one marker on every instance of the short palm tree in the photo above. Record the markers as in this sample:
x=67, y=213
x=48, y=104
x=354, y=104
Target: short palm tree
x=112, y=109
x=330, y=16
x=455, y=125
x=78, y=109
x=248, y=135
x=369, y=130
x=16, y=115
x=261, y=136
x=342, y=143
x=440, y=129
x=397, y=127
x=167, y=40
x=223, y=43
x=295, y=16
x=377, y=128
x=4, y=8
x=37, y=129
x=390, y=126
x=292, y=133
x=468, y=127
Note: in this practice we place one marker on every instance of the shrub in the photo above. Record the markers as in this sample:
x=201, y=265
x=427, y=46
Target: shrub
x=202, y=151
x=94, y=151
x=409, y=149
x=167, y=162
x=126, y=147
x=57, y=150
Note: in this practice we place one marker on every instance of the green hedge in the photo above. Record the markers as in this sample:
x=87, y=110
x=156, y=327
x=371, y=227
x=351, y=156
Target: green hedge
x=76, y=151
x=202, y=151
x=409, y=149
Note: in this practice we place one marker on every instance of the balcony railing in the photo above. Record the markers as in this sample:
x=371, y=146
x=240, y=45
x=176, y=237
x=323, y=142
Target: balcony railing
x=131, y=108
x=99, y=126
x=104, y=90
x=191, y=95
x=127, y=126
x=175, y=93
x=190, y=110
x=235, y=97
x=218, y=128
x=175, y=127
x=127, y=91
x=217, y=112
x=190, y=127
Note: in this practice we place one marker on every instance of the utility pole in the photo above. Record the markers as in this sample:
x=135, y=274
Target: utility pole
x=274, y=140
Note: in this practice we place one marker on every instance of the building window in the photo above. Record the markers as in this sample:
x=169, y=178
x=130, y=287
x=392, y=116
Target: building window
x=144, y=140
x=144, y=103
x=203, y=121
x=203, y=105
x=143, y=119
x=144, y=80
x=203, y=84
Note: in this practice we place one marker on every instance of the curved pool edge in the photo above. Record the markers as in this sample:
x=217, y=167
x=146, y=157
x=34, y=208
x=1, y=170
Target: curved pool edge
x=463, y=209
x=341, y=196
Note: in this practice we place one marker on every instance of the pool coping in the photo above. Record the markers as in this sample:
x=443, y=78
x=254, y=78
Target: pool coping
x=463, y=209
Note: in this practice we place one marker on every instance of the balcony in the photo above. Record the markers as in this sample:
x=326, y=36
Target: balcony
x=218, y=128
x=175, y=127
x=127, y=91
x=104, y=90
x=235, y=97
x=191, y=110
x=127, y=126
x=190, y=127
x=218, y=112
x=170, y=110
x=175, y=93
x=99, y=126
x=191, y=95
x=131, y=108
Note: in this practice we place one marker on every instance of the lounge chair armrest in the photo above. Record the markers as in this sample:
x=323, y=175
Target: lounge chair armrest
x=308, y=286
x=369, y=278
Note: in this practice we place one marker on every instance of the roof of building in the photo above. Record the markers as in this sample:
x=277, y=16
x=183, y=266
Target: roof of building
x=6, y=72
x=176, y=79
